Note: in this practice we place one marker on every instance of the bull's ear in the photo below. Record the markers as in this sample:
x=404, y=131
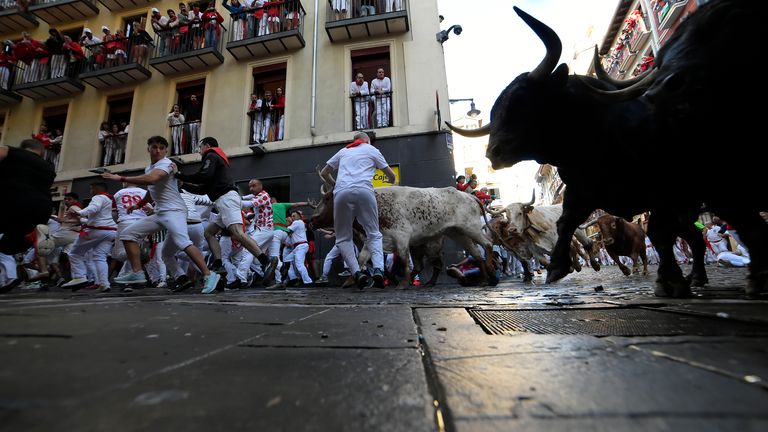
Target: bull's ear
x=527, y=209
x=560, y=75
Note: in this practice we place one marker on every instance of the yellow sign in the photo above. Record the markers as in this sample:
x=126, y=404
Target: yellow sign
x=379, y=177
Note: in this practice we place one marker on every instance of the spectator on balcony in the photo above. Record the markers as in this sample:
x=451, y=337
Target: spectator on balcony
x=176, y=122
x=381, y=88
x=44, y=137
x=125, y=127
x=267, y=109
x=238, y=18
x=339, y=9
x=140, y=39
x=183, y=27
x=173, y=37
x=120, y=47
x=30, y=51
x=393, y=5
x=102, y=136
x=212, y=20
x=118, y=143
x=279, y=109
x=273, y=15
x=196, y=26
x=160, y=25
x=358, y=90
x=193, y=114
x=74, y=54
x=257, y=118
x=55, y=148
x=7, y=61
x=111, y=45
x=292, y=15
x=257, y=22
x=367, y=7
x=55, y=46
x=93, y=45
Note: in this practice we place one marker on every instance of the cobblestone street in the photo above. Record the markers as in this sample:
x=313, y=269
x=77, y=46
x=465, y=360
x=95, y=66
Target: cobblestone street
x=596, y=351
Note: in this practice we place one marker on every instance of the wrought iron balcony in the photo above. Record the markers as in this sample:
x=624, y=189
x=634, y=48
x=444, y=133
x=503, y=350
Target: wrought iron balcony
x=7, y=97
x=116, y=63
x=49, y=77
x=371, y=111
x=253, y=34
x=365, y=19
x=13, y=19
x=118, y=5
x=187, y=49
x=59, y=11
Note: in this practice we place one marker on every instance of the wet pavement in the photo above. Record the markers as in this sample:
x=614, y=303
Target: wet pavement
x=595, y=351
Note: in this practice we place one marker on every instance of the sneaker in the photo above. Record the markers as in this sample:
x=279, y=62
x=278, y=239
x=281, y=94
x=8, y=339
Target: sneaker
x=378, y=278
x=182, y=283
x=321, y=280
x=293, y=282
x=93, y=287
x=210, y=283
x=235, y=285
x=104, y=289
x=416, y=282
x=269, y=270
x=345, y=273
x=160, y=284
x=362, y=280
x=131, y=278
x=724, y=263
x=10, y=286
x=75, y=284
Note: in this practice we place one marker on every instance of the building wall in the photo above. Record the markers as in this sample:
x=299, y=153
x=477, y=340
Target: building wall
x=416, y=62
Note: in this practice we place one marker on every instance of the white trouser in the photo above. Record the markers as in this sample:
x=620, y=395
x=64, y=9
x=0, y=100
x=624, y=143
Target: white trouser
x=332, y=254
x=278, y=239
x=296, y=257
x=229, y=206
x=156, y=267
x=361, y=112
x=263, y=237
x=230, y=257
x=389, y=261
x=360, y=204
x=733, y=259
x=197, y=235
x=381, y=105
x=256, y=124
x=7, y=269
x=194, y=137
x=174, y=221
x=99, y=243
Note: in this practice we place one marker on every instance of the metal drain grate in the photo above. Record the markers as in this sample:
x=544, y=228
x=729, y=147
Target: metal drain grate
x=609, y=322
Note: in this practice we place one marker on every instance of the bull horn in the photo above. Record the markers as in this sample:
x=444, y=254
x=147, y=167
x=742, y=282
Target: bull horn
x=602, y=75
x=551, y=42
x=588, y=224
x=471, y=133
x=635, y=90
x=533, y=199
x=496, y=212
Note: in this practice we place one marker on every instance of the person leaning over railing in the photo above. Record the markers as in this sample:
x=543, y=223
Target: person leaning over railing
x=75, y=56
x=140, y=39
x=238, y=18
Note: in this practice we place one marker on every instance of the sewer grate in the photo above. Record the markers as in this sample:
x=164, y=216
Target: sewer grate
x=609, y=322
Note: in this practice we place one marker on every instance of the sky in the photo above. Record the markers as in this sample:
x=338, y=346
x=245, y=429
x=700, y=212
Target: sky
x=495, y=46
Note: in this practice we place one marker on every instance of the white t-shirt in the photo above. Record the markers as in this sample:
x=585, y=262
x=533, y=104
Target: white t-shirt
x=99, y=212
x=127, y=197
x=166, y=191
x=356, y=167
x=298, y=232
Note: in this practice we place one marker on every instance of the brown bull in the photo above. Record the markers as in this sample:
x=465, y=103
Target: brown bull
x=622, y=238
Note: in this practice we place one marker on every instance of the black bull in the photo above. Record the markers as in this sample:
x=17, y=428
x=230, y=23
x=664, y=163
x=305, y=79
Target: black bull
x=648, y=149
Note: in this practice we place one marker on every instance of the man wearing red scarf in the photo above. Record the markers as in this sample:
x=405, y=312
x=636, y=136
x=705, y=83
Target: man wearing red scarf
x=354, y=199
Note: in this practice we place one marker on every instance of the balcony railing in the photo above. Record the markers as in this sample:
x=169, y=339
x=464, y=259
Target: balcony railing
x=116, y=63
x=13, y=19
x=7, y=75
x=266, y=31
x=59, y=11
x=267, y=126
x=188, y=48
x=185, y=138
x=371, y=111
x=49, y=77
x=366, y=18
x=113, y=149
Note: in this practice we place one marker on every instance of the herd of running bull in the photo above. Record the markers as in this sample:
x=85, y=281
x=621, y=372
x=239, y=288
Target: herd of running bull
x=650, y=143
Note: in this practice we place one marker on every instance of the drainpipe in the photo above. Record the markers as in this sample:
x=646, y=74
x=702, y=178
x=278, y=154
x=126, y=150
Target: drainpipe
x=313, y=101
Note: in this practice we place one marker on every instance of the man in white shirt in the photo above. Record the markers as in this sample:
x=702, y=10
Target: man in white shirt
x=96, y=237
x=358, y=91
x=381, y=89
x=297, y=236
x=354, y=199
x=125, y=198
x=170, y=213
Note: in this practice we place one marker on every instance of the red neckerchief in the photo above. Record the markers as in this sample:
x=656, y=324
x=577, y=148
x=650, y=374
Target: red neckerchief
x=219, y=152
x=76, y=203
x=356, y=143
x=111, y=198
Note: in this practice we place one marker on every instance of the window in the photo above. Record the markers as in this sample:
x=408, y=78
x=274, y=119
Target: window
x=51, y=132
x=128, y=23
x=267, y=107
x=185, y=125
x=113, y=133
x=73, y=33
x=374, y=111
x=277, y=187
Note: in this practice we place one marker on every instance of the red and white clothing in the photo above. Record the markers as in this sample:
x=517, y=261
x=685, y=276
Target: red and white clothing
x=261, y=204
x=96, y=237
x=297, y=237
x=359, y=94
x=381, y=102
x=125, y=198
x=354, y=199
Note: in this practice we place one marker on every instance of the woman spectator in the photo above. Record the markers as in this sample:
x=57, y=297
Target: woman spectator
x=279, y=108
x=176, y=122
x=212, y=20
x=238, y=18
x=254, y=111
x=106, y=144
x=75, y=55
x=55, y=46
x=118, y=139
x=139, y=40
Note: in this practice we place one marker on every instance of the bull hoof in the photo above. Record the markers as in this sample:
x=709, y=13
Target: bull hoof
x=696, y=280
x=679, y=289
x=349, y=282
x=556, y=273
x=626, y=271
x=528, y=278
x=595, y=265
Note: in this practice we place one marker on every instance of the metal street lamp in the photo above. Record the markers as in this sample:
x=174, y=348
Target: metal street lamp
x=473, y=112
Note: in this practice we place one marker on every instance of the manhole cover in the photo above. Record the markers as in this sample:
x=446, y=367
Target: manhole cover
x=609, y=322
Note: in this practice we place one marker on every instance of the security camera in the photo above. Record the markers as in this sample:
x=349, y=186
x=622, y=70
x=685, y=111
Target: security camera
x=457, y=30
